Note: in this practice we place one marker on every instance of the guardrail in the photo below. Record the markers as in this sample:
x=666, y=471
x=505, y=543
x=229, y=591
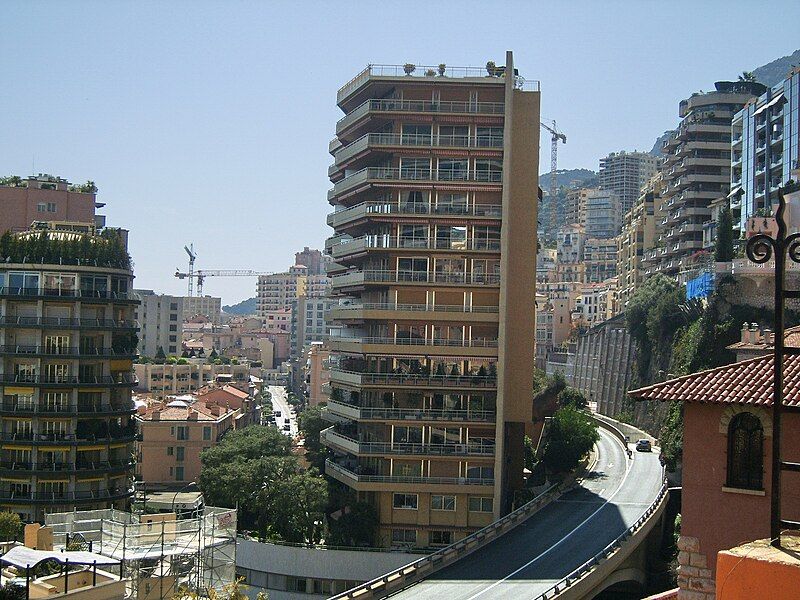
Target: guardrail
x=402, y=577
x=586, y=568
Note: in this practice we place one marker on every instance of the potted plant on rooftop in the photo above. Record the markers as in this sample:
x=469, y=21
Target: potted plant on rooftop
x=409, y=68
x=442, y=68
x=491, y=68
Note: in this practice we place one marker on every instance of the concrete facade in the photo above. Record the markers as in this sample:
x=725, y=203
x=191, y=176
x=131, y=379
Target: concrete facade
x=625, y=173
x=160, y=319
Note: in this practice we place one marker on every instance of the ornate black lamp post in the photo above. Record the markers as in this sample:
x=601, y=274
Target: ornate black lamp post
x=760, y=249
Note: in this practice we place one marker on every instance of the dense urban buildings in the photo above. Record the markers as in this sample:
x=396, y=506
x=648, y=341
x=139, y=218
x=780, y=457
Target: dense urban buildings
x=625, y=173
x=603, y=212
x=160, y=317
x=435, y=221
x=67, y=341
x=697, y=171
x=202, y=306
x=765, y=148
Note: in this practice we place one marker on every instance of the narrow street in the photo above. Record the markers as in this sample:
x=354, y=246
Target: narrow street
x=281, y=404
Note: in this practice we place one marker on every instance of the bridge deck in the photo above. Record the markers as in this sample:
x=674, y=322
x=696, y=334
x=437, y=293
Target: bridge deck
x=547, y=547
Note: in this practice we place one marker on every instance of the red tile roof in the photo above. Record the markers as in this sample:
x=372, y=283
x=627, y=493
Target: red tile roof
x=746, y=382
x=791, y=337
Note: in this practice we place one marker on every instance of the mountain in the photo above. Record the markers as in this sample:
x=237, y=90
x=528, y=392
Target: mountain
x=656, y=151
x=774, y=72
x=571, y=178
x=245, y=307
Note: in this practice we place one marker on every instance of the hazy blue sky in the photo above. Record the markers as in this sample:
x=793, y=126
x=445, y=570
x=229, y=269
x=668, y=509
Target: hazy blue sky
x=210, y=121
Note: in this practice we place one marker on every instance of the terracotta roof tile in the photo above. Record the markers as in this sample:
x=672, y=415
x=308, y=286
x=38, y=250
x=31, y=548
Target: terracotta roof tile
x=746, y=382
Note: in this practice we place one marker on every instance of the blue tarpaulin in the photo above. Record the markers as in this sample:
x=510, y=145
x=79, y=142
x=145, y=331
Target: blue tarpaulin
x=700, y=287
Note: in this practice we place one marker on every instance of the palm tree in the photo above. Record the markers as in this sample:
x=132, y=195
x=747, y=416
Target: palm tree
x=747, y=76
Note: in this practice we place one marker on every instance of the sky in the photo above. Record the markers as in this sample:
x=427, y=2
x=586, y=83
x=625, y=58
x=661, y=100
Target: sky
x=209, y=122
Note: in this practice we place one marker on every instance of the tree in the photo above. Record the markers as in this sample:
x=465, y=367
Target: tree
x=353, y=525
x=723, y=245
x=12, y=591
x=571, y=436
x=747, y=76
x=569, y=396
x=310, y=423
x=160, y=357
x=296, y=505
x=10, y=526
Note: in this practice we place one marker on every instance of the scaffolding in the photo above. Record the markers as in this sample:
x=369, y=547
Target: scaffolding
x=159, y=555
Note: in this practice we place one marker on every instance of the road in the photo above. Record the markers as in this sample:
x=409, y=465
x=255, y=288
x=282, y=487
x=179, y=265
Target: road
x=532, y=557
x=280, y=403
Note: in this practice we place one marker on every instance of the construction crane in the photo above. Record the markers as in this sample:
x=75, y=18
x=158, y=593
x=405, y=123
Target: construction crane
x=556, y=135
x=192, y=257
x=201, y=274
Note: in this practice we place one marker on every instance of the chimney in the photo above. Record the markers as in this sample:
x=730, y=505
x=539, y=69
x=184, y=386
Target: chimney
x=745, y=333
x=156, y=415
x=755, y=334
x=192, y=416
x=768, y=337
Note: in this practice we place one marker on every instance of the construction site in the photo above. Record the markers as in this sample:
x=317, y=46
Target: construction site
x=158, y=554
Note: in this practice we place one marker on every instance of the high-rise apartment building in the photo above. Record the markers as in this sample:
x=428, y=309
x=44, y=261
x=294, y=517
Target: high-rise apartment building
x=625, y=173
x=280, y=291
x=599, y=259
x=309, y=322
x=160, y=317
x=697, y=170
x=314, y=260
x=67, y=342
x=603, y=214
x=765, y=148
x=435, y=222
x=638, y=237
x=575, y=209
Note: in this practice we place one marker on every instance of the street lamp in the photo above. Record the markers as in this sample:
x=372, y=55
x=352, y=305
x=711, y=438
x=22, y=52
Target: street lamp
x=175, y=497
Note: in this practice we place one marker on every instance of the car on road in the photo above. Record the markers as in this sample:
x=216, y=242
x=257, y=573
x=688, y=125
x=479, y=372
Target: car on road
x=644, y=446
x=286, y=427
x=277, y=413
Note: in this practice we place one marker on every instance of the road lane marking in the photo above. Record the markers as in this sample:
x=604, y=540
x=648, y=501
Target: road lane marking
x=558, y=543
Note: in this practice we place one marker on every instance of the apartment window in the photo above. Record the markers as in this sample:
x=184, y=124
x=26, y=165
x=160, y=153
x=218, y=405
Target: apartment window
x=173, y=306
x=453, y=135
x=453, y=169
x=173, y=328
x=416, y=135
x=440, y=538
x=179, y=453
x=480, y=472
x=481, y=504
x=178, y=473
x=206, y=433
x=415, y=168
x=182, y=432
x=46, y=207
x=173, y=349
x=405, y=501
x=173, y=338
x=451, y=204
x=443, y=502
x=745, y=452
x=404, y=537
x=173, y=317
x=488, y=170
x=170, y=451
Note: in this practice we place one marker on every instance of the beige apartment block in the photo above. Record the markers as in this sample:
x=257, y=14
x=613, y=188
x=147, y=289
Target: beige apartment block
x=171, y=379
x=435, y=242
x=205, y=306
x=172, y=436
x=575, y=207
x=599, y=259
x=317, y=374
x=638, y=236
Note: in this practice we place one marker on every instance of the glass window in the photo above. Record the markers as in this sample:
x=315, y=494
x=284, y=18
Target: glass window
x=486, y=237
x=170, y=450
x=412, y=269
x=453, y=135
x=206, y=433
x=404, y=537
x=23, y=282
x=481, y=504
x=745, y=452
x=180, y=453
x=443, y=502
x=451, y=169
x=416, y=135
x=405, y=501
x=489, y=137
x=440, y=538
x=413, y=236
x=488, y=170
x=451, y=238
x=445, y=435
x=415, y=168
x=182, y=432
x=406, y=434
x=449, y=270
x=179, y=473
x=476, y=472
x=451, y=204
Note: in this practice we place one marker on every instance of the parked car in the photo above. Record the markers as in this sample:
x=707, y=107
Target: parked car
x=286, y=427
x=644, y=446
x=277, y=413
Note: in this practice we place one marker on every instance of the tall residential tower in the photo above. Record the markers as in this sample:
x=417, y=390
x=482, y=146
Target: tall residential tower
x=435, y=195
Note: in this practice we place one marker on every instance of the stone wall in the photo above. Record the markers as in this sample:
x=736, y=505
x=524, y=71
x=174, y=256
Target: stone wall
x=695, y=579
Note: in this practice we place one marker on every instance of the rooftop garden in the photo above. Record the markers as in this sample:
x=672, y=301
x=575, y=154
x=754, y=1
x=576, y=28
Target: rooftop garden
x=104, y=250
x=48, y=182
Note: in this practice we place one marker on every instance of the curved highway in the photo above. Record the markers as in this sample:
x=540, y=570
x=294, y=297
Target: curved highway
x=529, y=559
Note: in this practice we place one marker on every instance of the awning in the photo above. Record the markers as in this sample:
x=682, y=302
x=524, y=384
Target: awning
x=734, y=191
x=772, y=102
x=22, y=557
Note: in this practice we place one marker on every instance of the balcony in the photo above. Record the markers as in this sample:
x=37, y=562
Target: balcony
x=359, y=278
x=413, y=380
x=433, y=312
x=368, y=482
x=128, y=379
x=333, y=439
x=373, y=175
x=12, y=292
x=121, y=435
x=396, y=140
x=80, y=468
x=50, y=351
x=357, y=413
x=66, y=323
x=395, y=105
x=378, y=209
x=358, y=245
x=404, y=346
x=10, y=409
x=21, y=497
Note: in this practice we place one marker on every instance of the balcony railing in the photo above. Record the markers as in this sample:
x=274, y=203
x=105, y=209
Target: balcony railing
x=414, y=174
x=17, y=496
x=118, y=435
x=36, y=408
x=67, y=351
x=35, y=292
x=350, y=246
x=332, y=468
x=25, y=379
x=422, y=140
x=380, y=276
x=417, y=414
x=412, y=208
x=415, y=341
x=60, y=467
x=66, y=323
x=331, y=436
x=410, y=379
x=394, y=306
